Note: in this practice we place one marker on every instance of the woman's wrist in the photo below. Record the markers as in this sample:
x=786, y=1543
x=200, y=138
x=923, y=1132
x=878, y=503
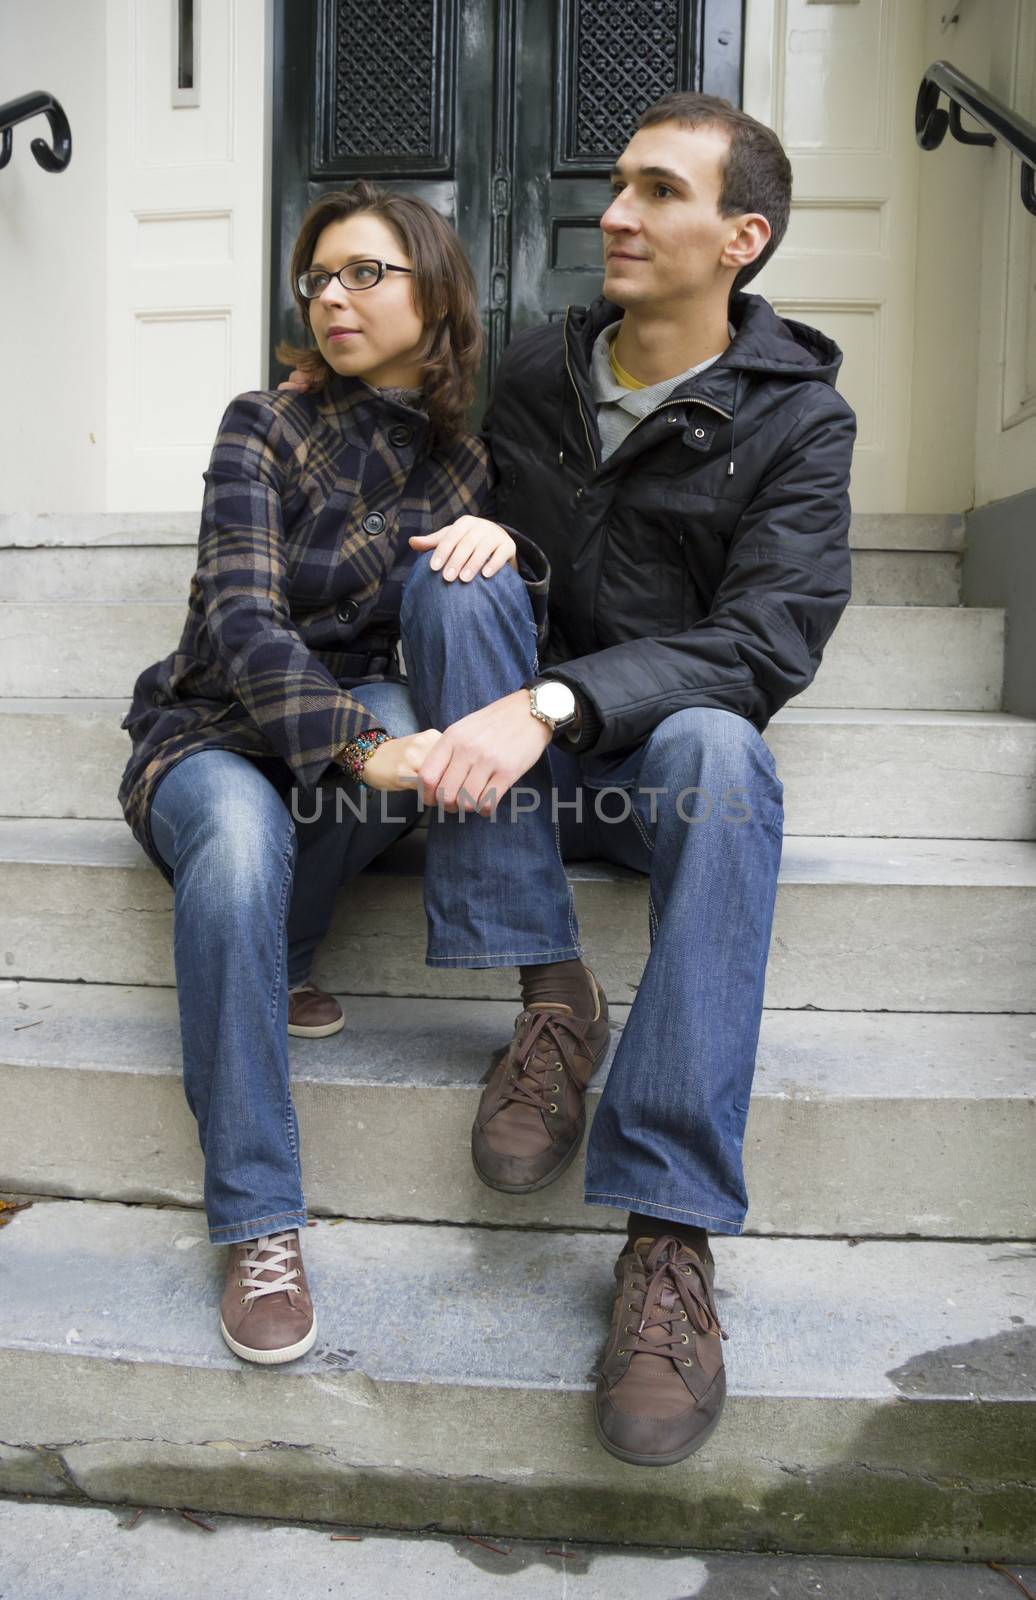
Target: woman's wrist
x=353, y=757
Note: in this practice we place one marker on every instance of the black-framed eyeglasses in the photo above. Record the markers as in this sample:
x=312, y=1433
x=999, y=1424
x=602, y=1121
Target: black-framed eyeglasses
x=354, y=275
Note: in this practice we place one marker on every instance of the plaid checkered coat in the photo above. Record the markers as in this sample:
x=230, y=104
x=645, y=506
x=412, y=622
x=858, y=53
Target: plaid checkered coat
x=309, y=503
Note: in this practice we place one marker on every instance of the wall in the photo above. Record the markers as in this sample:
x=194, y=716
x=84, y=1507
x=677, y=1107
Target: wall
x=991, y=361
x=133, y=283
x=1006, y=419
x=52, y=265
x=187, y=242
x=1000, y=570
x=920, y=264
x=950, y=226
x=838, y=81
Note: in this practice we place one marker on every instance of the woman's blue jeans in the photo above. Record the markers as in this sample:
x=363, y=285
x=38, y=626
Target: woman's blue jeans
x=240, y=935
x=698, y=807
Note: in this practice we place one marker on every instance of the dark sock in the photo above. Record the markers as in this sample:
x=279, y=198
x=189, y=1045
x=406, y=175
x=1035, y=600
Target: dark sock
x=565, y=983
x=639, y=1226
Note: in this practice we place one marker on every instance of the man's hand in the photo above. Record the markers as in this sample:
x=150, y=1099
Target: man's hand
x=296, y=380
x=394, y=765
x=483, y=755
x=468, y=546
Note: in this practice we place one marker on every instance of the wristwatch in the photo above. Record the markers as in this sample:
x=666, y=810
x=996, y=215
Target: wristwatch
x=552, y=702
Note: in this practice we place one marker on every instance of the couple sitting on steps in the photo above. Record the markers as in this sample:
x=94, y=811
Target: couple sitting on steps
x=601, y=603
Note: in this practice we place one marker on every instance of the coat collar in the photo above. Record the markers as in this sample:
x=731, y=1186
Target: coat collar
x=763, y=343
x=360, y=411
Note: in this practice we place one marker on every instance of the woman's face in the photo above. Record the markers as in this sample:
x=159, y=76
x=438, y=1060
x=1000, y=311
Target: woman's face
x=374, y=334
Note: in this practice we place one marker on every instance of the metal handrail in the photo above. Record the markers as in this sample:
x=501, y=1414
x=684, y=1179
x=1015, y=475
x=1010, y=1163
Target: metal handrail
x=999, y=120
x=39, y=104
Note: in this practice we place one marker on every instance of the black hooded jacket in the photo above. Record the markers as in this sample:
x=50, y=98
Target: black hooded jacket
x=706, y=562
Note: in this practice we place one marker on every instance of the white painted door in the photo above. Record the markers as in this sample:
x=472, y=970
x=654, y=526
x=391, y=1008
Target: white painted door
x=838, y=79
x=186, y=237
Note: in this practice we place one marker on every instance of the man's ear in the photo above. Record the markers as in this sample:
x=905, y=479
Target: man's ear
x=747, y=241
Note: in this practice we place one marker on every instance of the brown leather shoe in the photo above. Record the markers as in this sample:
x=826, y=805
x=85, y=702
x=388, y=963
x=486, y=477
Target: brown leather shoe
x=312, y=1014
x=662, y=1384
x=266, y=1313
x=532, y=1113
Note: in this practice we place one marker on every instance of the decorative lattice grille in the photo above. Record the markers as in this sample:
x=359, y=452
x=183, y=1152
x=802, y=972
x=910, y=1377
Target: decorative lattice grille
x=384, y=78
x=627, y=54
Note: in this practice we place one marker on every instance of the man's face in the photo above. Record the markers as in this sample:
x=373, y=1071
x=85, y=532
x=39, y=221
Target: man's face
x=663, y=234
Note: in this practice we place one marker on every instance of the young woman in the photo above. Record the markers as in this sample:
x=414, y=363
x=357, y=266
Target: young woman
x=286, y=686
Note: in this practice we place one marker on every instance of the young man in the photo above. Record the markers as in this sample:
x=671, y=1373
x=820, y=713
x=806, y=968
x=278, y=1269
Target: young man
x=680, y=454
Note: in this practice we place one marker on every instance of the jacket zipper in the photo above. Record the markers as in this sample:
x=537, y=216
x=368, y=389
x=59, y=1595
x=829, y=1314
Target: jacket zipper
x=682, y=400
x=579, y=400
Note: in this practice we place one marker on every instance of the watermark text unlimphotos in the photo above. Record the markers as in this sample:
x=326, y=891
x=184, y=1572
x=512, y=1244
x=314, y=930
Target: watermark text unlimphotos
x=608, y=805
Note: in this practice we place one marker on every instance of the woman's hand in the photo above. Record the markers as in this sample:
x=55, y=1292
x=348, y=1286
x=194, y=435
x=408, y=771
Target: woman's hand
x=395, y=764
x=468, y=546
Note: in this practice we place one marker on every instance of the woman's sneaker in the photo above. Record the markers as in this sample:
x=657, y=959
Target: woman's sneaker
x=313, y=1014
x=266, y=1313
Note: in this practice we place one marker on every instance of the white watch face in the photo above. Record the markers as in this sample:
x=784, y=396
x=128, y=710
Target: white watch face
x=556, y=701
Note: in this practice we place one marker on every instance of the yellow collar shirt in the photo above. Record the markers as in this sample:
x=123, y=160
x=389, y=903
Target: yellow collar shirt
x=620, y=399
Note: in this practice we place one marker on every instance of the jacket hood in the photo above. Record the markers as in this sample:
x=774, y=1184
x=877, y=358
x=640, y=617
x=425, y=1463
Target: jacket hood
x=763, y=341
x=765, y=346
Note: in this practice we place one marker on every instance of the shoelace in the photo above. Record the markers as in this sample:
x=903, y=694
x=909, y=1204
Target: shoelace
x=543, y=1044
x=276, y=1247
x=663, y=1269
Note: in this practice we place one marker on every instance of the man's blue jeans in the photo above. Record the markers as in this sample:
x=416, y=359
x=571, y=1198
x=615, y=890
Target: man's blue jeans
x=240, y=935
x=699, y=808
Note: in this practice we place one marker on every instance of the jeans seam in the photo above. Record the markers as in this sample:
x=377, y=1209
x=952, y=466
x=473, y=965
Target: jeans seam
x=639, y=823
x=573, y=928
x=636, y=1201
x=513, y=956
x=255, y=1222
x=279, y=982
x=275, y=987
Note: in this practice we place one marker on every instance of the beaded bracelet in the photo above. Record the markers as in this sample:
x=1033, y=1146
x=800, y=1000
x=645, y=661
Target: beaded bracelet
x=355, y=755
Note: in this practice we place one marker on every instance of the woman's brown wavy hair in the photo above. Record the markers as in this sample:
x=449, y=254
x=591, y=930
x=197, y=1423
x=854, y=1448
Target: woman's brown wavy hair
x=442, y=278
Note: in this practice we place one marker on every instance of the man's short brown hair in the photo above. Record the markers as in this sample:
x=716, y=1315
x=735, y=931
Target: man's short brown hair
x=756, y=175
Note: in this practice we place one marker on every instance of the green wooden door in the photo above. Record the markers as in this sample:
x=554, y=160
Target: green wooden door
x=505, y=114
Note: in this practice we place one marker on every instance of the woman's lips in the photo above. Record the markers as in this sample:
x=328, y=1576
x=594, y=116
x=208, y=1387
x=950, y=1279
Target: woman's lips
x=337, y=335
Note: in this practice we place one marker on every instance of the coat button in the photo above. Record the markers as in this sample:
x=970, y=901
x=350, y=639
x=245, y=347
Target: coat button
x=699, y=433
x=158, y=698
x=374, y=522
x=400, y=435
x=348, y=611
x=579, y=494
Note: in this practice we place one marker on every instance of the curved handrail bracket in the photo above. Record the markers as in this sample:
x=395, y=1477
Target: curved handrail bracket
x=52, y=158
x=998, y=120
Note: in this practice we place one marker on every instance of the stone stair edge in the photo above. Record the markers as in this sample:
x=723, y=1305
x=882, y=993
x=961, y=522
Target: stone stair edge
x=791, y=715
x=406, y=1043
x=881, y=530
x=88, y=1234
x=106, y=843
x=49, y=1546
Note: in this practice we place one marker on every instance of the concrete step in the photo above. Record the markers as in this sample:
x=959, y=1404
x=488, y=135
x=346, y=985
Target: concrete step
x=902, y=578
x=80, y=1552
x=861, y=1123
x=861, y=924
x=96, y=530
x=881, y=1398
x=900, y=774
x=939, y=658
x=163, y=572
